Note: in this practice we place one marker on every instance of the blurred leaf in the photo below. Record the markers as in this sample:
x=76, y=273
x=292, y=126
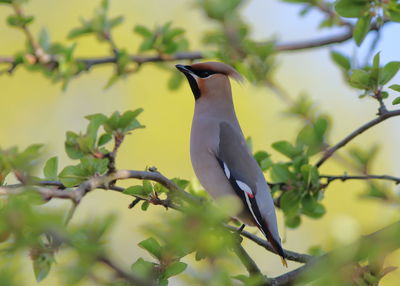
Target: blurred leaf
x=311, y=207
x=280, y=173
x=396, y=101
x=293, y=222
x=174, y=269
x=152, y=246
x=341, y=60
x=263, y=159
x=19, y=20
x=51, y=168
x=389, y=71
x=143, y=31
x=361, y=29
x=351, y=8
x=145, y=205
x=142, y=268
x=290, y=203
x=42, y=265
x=286, y=149
x=104, y=139
x=360, y=79
x=44, y=39
x=395, y=87
x=316, y=250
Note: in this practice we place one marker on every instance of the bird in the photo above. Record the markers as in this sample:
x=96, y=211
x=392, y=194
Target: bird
x=220, y=157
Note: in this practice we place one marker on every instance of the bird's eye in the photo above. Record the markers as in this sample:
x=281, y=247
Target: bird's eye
x=206, y=74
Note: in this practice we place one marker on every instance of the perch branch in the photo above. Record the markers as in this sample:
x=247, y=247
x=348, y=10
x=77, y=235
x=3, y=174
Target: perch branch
x=382, y=117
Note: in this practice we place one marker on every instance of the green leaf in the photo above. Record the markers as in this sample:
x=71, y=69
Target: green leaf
x=104, y=139
x=142, y=268
x=290, y=203
x=112, y=23
x=96, y=120
x=280, y=173
x=174, y=269
x=72, y=175
x=94, y=166
x=72, y=147
x=44, y=39
x=360, y=79
x=139, y=191
x=181, y=183
x=341, y=60
x=19, y=20
x=293, y=222
x=77, y=32
x=6, y=1
x=310, y=175
x=311, y=207
x=145, y=205
x=395, y=87
x=128, y=121
x=388, y=72
x=143, y=31
x=286, y=149
x=361, y=29
x=42, y=265
x=396, y=101
x=351, y=8
x=51, y=168
x=152, y=246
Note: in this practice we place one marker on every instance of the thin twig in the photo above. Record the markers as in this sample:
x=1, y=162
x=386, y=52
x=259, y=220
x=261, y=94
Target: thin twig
x=331, y=178
x=132, y=280
x=289, y=255
x=382, y=117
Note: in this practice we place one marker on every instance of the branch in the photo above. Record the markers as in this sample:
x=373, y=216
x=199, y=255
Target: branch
x=132, y=280
x=322, y=42
x=246, y=260
x=102, y=258
x=385, y=240
x=382, y=117
x=316, y=43
x=331, y=178
x=290, y=255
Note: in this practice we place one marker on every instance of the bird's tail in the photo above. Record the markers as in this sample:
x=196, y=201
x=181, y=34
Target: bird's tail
x=275, y=244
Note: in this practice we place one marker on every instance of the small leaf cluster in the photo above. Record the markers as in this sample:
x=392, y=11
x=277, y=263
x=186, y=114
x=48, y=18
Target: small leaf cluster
x=100, y=25
x=168, y=264
x=371, y=79
x=89, y=148
x=367, y=12
x=297, y=187
x=164, y=39
x=21, y=163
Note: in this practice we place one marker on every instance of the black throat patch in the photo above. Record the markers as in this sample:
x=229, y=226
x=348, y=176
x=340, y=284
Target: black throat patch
x=193, y=85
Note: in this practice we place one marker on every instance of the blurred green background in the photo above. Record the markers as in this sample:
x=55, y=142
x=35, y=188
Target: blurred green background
x=34, y=111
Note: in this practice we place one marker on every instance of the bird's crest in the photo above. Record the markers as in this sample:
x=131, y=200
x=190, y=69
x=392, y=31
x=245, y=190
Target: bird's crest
x=218, y=67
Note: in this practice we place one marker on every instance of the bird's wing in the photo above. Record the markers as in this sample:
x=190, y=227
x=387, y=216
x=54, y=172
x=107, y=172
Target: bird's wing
x=244, y=175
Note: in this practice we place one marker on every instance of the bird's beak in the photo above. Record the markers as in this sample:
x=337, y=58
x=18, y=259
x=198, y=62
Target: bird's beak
x=184, y=69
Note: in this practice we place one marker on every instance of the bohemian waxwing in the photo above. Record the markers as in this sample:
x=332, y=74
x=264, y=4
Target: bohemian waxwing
x=220, y=157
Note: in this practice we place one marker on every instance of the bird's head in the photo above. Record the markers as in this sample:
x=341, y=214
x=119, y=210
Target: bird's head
x=208, y=77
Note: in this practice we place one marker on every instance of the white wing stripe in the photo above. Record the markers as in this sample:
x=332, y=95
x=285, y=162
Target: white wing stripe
x=227, y=172
x=245, y=188
x=252, y=212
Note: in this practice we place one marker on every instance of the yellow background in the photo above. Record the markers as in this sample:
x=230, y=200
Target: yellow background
x=32, y=110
